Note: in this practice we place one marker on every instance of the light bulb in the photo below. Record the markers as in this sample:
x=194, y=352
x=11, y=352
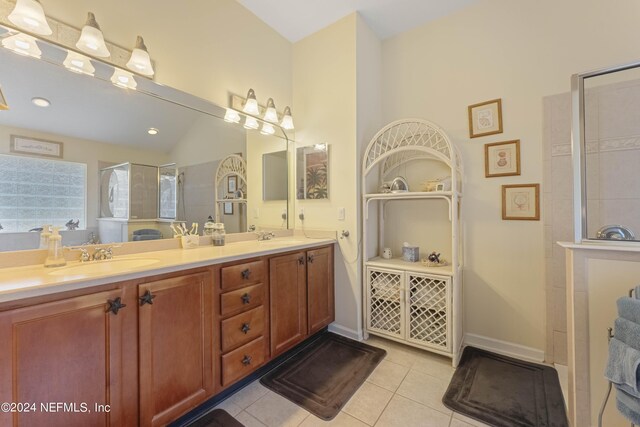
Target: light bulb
x=140, y=61
x=267, y=129
x=251, y=123
x=23, y=44
x=91, y=39
x=29, y=15
x=231, y=116
x=79, y=64
x=287, y=120
x=123, y=79
x=271, y=115
x=251, y=104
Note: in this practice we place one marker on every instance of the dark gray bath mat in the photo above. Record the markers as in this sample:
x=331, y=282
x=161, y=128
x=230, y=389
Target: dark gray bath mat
x=217, y=418
x=506, y=392
x=324, y=375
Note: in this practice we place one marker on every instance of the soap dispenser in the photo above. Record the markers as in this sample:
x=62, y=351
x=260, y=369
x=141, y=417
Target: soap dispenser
x=44, y=236
x=56, y=256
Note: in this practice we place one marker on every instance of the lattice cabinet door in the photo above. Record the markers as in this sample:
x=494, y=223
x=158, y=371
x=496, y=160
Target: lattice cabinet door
x=429, y=310
x=385, y=311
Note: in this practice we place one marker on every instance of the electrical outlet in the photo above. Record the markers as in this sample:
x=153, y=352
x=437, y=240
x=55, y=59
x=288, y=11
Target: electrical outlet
x=341, y=214
x=284, y=214
x=256, y=213
x=301, y=214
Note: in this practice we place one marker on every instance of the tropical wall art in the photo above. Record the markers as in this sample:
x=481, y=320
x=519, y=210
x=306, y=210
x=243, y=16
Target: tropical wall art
x=312, y=176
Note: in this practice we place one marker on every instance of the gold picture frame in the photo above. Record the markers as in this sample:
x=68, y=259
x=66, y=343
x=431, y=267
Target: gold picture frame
x=502, y=159
x=485, y=118
x=521, y=202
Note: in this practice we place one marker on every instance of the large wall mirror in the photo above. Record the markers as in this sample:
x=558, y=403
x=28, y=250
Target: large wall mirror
x=115, y=164
x=606, y=149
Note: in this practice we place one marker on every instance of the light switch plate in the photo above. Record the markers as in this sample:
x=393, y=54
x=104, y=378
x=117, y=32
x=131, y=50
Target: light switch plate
x=341, y=213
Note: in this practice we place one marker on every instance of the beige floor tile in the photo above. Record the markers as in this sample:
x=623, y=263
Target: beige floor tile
x=276, y=411
x=396, y=352
x=402, y=412
x=249, y=395
x=424, y=389
x=230, y=407
x=434, y=365
x=341, y=420
x=368, y=403
x=248, y=420
x=458, y=423
x=388, y=375
x=467, y=421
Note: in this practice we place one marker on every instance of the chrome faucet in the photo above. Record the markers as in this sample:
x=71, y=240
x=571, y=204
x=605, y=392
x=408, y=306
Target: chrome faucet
x=100, y=254
x=265, y=235
x=103, y=253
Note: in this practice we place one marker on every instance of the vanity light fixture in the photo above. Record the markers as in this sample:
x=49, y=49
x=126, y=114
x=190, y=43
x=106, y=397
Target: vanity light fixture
x=29, y=15
x=267, y=129
x=271, y=115
x=41, y=102
x=78, y=63
x=124, y=79
x=320, y=147
x=232, y=116
x=287, y=120
x=251, y=105
x=3, y=101
x=23, y=44
x=153, y=131
x=91, y=39
x=251, y=123
x=140, y=61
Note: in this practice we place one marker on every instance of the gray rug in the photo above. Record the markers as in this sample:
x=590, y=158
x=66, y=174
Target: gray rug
x=324, y=375
x=506, y=392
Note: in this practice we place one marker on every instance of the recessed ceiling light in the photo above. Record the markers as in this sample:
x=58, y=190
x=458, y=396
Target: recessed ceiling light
x=153, y=131
x=40, y=102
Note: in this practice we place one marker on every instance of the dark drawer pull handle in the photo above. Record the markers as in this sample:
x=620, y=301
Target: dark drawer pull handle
x=301, y=260
x=147, y=298
x=246, y=298
x=246, y=361
x=310, y=259
x=245, y=274
x=245, y=328
x=115, y=305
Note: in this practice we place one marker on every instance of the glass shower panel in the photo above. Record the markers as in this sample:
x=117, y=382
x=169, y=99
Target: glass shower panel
x=144, y=192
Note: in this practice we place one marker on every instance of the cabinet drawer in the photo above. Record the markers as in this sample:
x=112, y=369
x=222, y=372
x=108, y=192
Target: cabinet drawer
x=241, y=299
x=241, y=329
x=242, y=274
x=241, y=362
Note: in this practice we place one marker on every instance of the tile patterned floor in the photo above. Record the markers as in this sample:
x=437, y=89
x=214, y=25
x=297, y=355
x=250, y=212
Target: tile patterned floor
x=405, y=390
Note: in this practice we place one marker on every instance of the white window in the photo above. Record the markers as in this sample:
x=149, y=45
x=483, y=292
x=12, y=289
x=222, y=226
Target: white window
x=36, y=191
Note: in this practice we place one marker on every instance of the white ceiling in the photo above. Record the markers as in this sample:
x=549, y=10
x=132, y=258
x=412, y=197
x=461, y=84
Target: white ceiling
x=296, y=19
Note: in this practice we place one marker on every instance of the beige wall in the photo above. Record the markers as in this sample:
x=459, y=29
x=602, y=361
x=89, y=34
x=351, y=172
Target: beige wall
x=519, y=52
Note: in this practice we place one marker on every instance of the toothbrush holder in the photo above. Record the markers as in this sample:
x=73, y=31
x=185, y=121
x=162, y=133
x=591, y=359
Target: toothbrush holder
x=190, y=241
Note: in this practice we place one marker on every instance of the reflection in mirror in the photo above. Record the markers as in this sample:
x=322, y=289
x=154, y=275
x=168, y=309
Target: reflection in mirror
x=611, y=153
x=312, y=172
x=274, y=179
x=121, y=138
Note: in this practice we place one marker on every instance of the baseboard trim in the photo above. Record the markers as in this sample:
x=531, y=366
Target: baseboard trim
x=346, y=332
x=504, y=347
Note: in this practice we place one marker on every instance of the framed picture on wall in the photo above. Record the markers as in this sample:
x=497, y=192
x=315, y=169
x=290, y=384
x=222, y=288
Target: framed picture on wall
x=521, y=202
x=485, y=118
x=232, y=184
x=502, y=159
x=35, y=146
x=228, y=208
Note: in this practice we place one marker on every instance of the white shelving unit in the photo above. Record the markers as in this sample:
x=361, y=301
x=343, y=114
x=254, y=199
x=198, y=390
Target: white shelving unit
x=407, y=301
x=233, y=164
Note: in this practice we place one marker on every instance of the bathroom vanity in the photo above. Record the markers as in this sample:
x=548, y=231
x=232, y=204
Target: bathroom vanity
x=157, y=333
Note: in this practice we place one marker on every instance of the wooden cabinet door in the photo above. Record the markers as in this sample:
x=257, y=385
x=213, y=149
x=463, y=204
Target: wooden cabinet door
x=68, y=352
x=175, y=346
x=320, y=288
x=288, y=301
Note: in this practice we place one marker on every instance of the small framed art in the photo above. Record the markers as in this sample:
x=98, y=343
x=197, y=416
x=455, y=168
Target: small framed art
x=521, y=202
x=228, y=208
x=502, y=159
x=232, y=184
x=485, y=118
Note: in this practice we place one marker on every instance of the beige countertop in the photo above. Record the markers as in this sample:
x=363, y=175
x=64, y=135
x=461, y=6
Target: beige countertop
x=35, y=280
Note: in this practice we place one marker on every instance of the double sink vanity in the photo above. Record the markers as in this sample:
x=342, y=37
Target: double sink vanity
x=141, y=339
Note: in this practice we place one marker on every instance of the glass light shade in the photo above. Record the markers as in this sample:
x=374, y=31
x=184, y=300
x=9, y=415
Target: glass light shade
x=267, y=129
x=23, y=44
x=251, y=123
x=91, y=39
x=123, y=79
x=287, y=120
x=231, y=116
x=29, y=15
x=140, y=61
x=3, y=101
x=79, y=64
x=271, y=115
x=251, y=104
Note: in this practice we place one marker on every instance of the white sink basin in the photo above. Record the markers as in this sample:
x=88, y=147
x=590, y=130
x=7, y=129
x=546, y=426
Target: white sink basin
x=98, y=267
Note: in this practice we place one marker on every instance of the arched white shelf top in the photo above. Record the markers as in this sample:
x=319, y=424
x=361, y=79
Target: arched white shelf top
x=407, y=140
x=233, y=164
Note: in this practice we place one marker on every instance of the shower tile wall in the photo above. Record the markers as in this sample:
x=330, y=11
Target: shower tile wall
x=613, y=188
